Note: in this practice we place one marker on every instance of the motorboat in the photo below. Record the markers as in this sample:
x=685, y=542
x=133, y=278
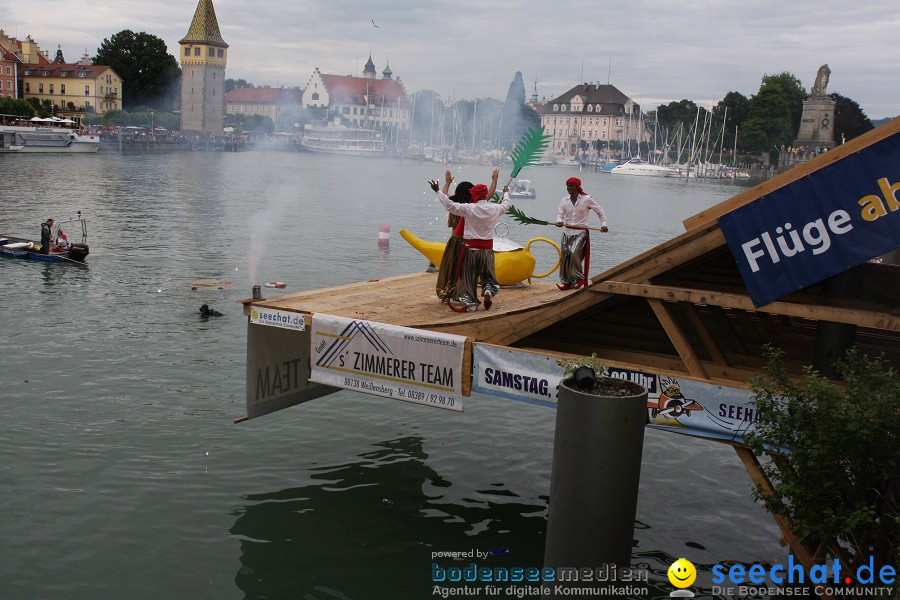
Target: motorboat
x=62, y=250
x=523, y=190
x=640, y=167
x=43, y=135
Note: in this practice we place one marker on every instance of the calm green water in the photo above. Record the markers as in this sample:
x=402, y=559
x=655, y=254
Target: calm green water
x=122, y=474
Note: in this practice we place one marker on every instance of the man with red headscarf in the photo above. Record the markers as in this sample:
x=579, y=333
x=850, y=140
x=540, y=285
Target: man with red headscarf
x=477, y=257
x=572, y=216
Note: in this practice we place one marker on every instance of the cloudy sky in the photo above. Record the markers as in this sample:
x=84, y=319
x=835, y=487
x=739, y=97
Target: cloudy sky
x=654, y=51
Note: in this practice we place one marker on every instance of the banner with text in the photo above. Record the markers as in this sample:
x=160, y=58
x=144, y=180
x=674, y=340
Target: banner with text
x=413, y=365
x=823, y=224
x=277, y=318
x=673, y=404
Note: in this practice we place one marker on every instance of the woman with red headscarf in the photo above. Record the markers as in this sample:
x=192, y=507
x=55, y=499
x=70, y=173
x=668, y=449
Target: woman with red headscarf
x=446, y=280
x=572, y=216
x=477, y=256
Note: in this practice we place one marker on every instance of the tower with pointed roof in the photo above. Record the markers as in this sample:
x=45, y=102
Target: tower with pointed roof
x=369, y=70
x=203, y=57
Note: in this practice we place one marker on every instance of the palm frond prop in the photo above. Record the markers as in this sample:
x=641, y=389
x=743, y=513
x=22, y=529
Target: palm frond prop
x=523, y=219
x=528, y=150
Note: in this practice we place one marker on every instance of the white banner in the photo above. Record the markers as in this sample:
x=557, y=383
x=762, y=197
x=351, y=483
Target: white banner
x=673, y=404
x=278, y=318
x=413, y=365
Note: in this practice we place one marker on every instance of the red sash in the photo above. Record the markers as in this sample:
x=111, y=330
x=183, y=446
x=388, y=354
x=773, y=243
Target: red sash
x=475, y=244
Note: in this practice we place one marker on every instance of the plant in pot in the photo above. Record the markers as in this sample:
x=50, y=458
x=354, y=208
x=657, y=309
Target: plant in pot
x=588, y=374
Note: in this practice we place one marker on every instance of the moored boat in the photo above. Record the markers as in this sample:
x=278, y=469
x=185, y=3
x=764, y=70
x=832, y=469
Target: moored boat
x=335, y=138
x=640, y=167
x=44, y=135
x=523, y=190
x=62, y=250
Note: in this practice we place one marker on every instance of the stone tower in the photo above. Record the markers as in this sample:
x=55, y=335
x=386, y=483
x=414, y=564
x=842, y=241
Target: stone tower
x=203, y=57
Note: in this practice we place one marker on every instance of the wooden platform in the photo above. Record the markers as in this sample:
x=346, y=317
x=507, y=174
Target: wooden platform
x=410, y=301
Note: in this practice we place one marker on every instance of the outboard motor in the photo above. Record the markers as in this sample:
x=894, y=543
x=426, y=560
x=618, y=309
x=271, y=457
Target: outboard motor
x=78, y=251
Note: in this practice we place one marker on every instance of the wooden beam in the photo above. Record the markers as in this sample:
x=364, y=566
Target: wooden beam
x=751, y=464
x=862, y=318
x=704, y=218
x=678, y=339
x=708, y=342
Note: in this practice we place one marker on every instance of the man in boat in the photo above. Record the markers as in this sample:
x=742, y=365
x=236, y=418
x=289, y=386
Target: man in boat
x=477, y=257
x=46, y=236
x=574, y=210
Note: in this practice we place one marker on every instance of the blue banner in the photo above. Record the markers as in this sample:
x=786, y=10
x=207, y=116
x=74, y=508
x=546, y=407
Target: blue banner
x=823, y=224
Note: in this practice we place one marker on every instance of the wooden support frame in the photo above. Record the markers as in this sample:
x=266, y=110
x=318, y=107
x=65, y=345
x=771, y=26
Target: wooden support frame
x=678, y=339
x=861, y=318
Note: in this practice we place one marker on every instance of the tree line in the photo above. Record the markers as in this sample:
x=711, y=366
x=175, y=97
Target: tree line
x=766, y=121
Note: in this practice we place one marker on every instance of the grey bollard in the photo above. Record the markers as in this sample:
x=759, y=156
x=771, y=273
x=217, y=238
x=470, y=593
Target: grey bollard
x=594, y=480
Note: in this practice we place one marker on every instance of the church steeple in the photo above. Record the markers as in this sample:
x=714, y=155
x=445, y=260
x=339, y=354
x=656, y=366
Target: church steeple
x=369, y=70
x=387, y=73
x=59, y=60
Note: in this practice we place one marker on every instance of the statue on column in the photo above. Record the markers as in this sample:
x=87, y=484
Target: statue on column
x=818, y=88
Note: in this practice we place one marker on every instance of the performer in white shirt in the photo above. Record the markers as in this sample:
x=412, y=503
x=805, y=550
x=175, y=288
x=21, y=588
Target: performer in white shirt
x=477, y=257
x=572, y=216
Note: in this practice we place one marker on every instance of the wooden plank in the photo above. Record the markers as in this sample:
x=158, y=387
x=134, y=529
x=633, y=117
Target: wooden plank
x=678, y=339
x=705, y=217
x=751, y=464
x=467, y=367
x=875, y=320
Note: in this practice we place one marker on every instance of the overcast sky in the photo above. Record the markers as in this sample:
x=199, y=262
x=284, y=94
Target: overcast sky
x=654, y=51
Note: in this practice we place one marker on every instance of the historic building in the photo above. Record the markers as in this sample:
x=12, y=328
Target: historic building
x=203, y=57
x=264, y=101
x=69, y=87
x=361, y=101
x=9, y=72
x=590, y=112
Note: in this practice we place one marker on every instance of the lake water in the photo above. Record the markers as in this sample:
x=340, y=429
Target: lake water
x=122, y=474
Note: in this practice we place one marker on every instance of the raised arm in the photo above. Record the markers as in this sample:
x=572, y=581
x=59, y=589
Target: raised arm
x=493, y=187
x=448, y=179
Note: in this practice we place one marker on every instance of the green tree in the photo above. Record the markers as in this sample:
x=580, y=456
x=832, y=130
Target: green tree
x=794, y=94
x=835, y=454
x=18, y=107
x=770, y=116
x=849, y=119
x=682, y=112
x=150, y=75
x=735, y=108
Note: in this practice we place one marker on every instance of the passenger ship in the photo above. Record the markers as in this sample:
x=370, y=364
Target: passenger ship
x=46, y=135
x=335, y=138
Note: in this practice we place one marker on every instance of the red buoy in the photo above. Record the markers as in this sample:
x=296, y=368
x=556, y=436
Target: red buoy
x=384, y=235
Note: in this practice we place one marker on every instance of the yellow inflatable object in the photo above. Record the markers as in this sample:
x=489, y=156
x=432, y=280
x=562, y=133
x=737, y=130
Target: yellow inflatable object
x=512, y=266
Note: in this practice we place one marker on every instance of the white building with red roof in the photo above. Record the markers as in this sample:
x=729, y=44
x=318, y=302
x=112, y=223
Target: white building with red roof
x=361, y=101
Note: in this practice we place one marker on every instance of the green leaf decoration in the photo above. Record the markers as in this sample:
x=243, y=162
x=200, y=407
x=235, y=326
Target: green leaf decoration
x=529, y=149
x=520, y=217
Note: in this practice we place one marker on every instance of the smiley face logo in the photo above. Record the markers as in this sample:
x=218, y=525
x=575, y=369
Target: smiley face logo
x=682, y=573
